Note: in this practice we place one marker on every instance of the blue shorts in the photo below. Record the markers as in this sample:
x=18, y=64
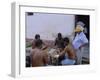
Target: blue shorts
x=68, y=61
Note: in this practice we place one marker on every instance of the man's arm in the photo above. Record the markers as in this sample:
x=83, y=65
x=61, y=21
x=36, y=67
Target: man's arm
x=63, y=52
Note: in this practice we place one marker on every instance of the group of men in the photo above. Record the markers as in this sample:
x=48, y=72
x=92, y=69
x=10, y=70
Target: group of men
x=70, y=53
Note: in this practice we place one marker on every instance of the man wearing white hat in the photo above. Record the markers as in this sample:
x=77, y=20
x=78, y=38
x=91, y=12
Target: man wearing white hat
x=79, y=41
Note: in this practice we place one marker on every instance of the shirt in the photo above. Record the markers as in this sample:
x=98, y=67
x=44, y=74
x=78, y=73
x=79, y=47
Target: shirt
x=80, y=39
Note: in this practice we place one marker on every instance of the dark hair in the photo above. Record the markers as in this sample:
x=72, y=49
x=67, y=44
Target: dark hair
x=59, y=35
x=37, y=36
x=66, y=41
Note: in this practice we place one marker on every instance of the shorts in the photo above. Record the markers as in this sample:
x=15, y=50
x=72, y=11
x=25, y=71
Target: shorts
x=68, y=62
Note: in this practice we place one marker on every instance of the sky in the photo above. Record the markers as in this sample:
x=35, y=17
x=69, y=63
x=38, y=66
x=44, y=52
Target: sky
x=48, y=25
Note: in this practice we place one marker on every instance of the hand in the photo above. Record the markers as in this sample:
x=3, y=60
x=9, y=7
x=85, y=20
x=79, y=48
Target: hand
x=65, y=48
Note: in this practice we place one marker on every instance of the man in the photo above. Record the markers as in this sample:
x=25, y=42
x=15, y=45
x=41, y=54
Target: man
x=59, y=41
x=67, y=53
x=79, y=41
x=37, y=37
x=38, y=56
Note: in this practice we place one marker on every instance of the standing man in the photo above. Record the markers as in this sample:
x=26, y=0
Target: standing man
x=79, y=41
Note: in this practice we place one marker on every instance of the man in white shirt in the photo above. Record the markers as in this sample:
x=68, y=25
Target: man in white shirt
x=79, y=41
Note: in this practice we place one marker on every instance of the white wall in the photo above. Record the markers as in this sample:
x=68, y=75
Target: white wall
x=48, y=25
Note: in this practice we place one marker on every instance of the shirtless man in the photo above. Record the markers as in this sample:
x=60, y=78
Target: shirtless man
x=68, y=53
x=38, y=56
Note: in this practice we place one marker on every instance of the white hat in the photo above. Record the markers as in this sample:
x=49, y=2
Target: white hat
x=80, y=23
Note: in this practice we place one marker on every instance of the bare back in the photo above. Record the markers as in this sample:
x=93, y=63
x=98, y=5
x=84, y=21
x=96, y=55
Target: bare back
x=39, y=58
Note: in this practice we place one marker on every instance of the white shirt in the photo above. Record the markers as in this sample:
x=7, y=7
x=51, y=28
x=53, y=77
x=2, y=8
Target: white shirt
x=79, y=40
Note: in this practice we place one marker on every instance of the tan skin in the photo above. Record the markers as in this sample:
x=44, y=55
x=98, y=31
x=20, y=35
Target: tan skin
x=69, y=51
x=39, y=57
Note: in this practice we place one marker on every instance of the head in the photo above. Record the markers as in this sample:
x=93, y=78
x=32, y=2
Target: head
x=37, y=36
x=66, y=41
x=79, y=27
x=59, y=35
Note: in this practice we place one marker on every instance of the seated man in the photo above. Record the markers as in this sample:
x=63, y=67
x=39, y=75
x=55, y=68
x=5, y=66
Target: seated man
x=37, y=37
x=59, y=41
x=67, y=54
x=38, y=56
